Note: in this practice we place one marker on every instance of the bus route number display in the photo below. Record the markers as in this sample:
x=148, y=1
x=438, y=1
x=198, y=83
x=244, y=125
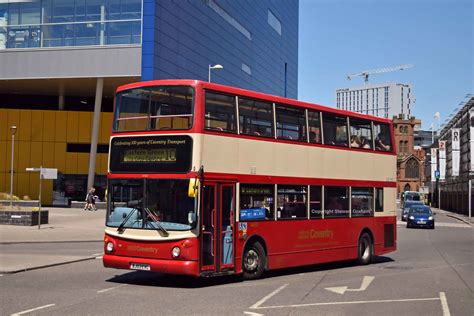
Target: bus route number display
x=151, y=154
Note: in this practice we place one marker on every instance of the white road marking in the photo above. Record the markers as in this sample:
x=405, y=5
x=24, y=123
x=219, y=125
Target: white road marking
x=99, y=257
x=348, y=303
x=256, y=305
x=444, y=304
x=98, y=254
x=342, y=289
x=452, y=225
x=32, y=310
x=111, y=288
x=253, y=314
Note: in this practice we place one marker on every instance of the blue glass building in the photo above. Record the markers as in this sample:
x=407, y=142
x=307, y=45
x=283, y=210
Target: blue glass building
x=255, y=41
x=70, y=56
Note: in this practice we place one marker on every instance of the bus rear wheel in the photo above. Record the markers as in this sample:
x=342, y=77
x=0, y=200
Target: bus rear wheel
x=365, y=249
x=254, y=261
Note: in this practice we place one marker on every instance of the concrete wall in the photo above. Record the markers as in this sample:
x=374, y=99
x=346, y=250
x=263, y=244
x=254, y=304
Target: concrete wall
x=70, y=62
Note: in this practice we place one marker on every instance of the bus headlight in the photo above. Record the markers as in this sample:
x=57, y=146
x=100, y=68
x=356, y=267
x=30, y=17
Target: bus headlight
x=175, y=252
x=110, y=246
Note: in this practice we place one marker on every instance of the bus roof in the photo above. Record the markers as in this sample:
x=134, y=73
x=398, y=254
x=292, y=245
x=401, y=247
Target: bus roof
x=249, y=93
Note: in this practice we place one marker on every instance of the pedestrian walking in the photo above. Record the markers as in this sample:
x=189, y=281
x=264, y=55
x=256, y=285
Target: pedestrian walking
x=90, y=200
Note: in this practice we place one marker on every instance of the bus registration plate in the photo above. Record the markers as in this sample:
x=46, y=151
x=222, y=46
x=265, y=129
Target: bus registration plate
x=140, y=266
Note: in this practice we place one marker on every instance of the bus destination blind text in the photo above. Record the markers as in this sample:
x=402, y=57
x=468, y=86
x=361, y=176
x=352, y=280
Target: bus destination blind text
x=151, y=154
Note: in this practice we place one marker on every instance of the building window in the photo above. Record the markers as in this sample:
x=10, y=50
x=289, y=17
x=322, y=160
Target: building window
x=246, y=68
x=60, y=23
x=274, y=22
x=226, y=16
x=412, y=169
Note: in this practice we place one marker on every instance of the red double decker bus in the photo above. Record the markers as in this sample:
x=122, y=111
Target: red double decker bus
x=206, y=179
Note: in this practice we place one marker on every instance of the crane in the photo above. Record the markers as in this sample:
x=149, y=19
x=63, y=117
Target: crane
x=366, y=73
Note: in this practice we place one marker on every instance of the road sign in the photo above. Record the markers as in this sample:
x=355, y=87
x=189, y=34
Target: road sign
x=437, y=174
x=48, y=173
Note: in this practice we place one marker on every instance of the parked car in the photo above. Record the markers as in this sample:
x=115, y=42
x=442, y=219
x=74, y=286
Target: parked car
x=408, y=205
x=420, y=217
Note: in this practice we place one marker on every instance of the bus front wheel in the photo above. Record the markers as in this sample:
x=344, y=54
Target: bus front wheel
x=254, y=261
x=365, y=249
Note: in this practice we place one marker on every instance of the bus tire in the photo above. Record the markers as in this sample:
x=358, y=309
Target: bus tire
x=365, y=249
x=254, y=261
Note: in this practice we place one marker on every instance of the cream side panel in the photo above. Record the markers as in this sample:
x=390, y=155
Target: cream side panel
x=197, y=152
x=389, y=202
x=238, y=156
x=386, y=167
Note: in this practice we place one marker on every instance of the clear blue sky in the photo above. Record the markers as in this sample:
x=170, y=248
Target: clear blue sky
x=337, y=37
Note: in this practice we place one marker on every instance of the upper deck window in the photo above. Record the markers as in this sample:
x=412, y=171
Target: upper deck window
x=335, y=130
x=291, y=123
x=154, y=108
x=361, y=133
x=220, y=112
x=383, y=139
x=256, y=117
x=314, y=123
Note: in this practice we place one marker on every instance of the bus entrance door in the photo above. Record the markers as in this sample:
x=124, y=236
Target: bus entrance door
x=217, y=227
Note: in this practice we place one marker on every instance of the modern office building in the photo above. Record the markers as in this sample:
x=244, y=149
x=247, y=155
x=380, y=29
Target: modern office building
x=423, y=139
x=61, y=61
x=382, y=100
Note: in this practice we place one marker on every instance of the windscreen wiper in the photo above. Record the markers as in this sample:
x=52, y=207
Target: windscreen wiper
x=157, y=222
x=120, y=229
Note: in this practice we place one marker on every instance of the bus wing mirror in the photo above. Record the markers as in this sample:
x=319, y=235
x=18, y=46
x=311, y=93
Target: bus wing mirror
x=191, y=218
x=193, y=187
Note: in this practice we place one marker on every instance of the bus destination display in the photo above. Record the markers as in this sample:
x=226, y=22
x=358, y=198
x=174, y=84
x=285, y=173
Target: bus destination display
x=151, y=154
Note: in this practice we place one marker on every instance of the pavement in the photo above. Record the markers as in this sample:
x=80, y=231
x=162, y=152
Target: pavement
x=24, y=248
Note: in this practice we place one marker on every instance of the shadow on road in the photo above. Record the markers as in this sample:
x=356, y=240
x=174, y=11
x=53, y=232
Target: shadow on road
x=179, y=281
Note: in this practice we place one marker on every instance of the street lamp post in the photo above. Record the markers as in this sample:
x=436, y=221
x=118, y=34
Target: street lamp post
x=218, y=66
x=13, y=131
x=432, y=133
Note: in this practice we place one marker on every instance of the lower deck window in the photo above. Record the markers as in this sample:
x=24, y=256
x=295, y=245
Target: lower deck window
x=336, y=202
x=379, y=199
x=256, y=202
x=291, y=201
x=362, y=201
x=315, y=203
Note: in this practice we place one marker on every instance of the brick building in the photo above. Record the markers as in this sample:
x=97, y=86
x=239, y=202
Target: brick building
x=410, y=159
